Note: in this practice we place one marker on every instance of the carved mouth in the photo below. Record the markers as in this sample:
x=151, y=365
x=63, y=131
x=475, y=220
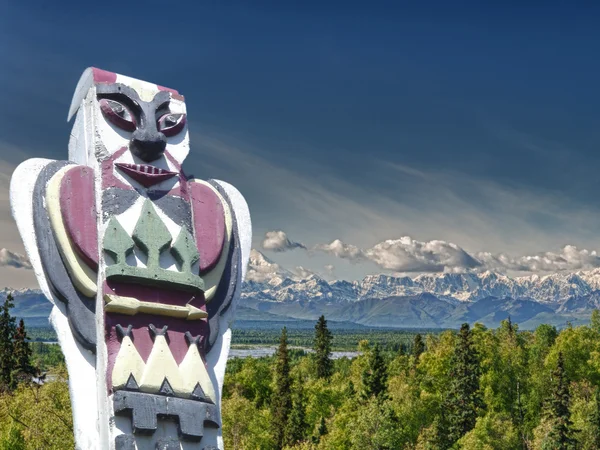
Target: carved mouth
x=145, y=174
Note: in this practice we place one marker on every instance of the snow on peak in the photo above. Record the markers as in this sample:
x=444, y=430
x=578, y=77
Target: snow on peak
x=275, y=283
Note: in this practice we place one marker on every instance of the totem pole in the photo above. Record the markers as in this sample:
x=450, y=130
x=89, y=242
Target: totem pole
x=143, y=264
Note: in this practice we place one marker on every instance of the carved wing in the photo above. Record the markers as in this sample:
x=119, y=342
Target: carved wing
x=217, y=241
x=63, y=209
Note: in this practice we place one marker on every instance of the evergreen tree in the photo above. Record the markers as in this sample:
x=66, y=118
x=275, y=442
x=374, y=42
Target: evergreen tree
x=323, y=338
x=322, y=428
x=350, y=390
x=281, y=404
x=560, y=436
x=7, y=333
x=418, y=347
x=297, y=426
x=374, y=377
x=23, y=369
x=463, y=400
x=594, y=418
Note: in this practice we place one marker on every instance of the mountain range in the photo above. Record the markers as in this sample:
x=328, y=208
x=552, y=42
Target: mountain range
x=442, y=300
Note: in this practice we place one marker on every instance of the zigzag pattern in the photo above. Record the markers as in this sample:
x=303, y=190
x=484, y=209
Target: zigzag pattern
x=160, y=374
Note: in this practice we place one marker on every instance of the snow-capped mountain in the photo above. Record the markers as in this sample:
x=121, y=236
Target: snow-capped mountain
x=427, y=301
x=268, y=281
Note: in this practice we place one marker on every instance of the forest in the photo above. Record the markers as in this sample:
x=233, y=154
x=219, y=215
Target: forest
x=473, y=388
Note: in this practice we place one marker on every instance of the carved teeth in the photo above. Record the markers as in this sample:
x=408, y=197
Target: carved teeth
x=146, y=168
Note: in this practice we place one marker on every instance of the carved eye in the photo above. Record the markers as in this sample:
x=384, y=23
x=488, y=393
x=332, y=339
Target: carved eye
x=118, y=114
x=170, y=124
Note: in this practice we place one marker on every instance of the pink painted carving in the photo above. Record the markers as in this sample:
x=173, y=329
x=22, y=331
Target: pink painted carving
x=175, y=94
x=145, y=174
x=103, y=76
x=142, y=338
x=209, y=224
x=78, y=207
x=110, y=180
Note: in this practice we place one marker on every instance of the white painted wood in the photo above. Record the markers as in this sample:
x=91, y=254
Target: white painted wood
x=80, y=362
x=92, y=140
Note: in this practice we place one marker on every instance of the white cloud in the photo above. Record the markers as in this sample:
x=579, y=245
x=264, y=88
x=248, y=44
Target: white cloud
x=11, y=259
x=278, y=241
x=570, y=258
x=409, y=255
x=339, y=249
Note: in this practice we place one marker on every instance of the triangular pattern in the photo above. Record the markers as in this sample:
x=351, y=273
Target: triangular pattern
x=128, y=363
x=198, y=393
x=193, y=373
x=132, y=384
x=166, y=389
x=161, y=365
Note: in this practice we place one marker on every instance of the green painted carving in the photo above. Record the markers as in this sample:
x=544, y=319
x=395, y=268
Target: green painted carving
x=151, y=235
x=117, y=243
x=185, y=251
x=152, y=238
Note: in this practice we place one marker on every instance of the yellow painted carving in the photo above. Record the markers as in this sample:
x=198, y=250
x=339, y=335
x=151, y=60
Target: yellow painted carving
x=161, y=365
x=128, y=362
x=193, y=371
x=131, y=306
x=82, y=275
x=146, y=91
x=212, y=278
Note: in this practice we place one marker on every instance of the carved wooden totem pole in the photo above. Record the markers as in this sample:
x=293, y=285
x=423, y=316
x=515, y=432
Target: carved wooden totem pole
x=143, y=264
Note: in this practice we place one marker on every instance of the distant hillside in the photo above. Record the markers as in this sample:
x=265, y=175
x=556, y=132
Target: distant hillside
x=414, y=311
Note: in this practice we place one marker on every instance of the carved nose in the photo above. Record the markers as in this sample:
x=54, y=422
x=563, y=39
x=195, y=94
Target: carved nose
x=148, y=145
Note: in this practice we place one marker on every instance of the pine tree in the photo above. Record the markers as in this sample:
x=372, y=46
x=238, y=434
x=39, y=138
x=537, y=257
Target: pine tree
x=322, y=428
x=463, y=400
x=557, y=410
x=282, y=400
x=7, y=333
x=23, y=369
x=418, y=347
x=374, y=377
x=297, y=425
x=350, y=391
x=594, y=418
x=323, y=338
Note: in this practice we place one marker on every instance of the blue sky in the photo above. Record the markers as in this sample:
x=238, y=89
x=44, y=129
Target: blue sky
x=470, y=124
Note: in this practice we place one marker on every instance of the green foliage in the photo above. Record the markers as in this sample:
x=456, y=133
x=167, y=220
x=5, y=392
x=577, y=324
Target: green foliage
x=15, y=350
x=418, y=346
x=244, y=426
x=559, y=436
x=343, y=339
x=322, y=347
x=585, y=414
x=374, y=376
x=46, y=356
x=463, y=399
x=492, y=432
x=297, y=426
x=475, y=389
x=7, y=333
x=37, y=417
x=281, y=403
x=23, y=368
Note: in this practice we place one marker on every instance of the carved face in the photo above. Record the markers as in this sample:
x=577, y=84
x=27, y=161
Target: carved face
x=140, y=126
